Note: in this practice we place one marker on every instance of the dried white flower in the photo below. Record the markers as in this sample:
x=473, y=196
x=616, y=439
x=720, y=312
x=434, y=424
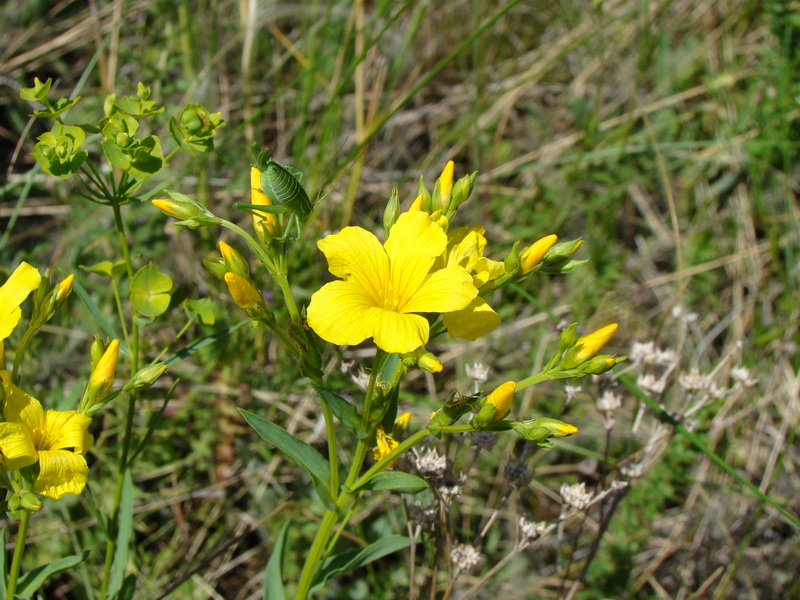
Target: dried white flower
x=530, y=530
x=632, y=470
x=361, y=379
x=465, y=557
x=678, y=313
x=571, y=391
x=430, y=464
x=419, y=514
x=741, y=375
x=450, y=487
x=665, y=357
x=575, y=495
x=704, y=385
x=649, y=383
x=643, y=353
x=478, y=372
x=608, y=402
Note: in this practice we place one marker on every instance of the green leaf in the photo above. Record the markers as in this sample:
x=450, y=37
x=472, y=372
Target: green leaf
x=273, y=573
x=396, y=481
x=150, y=291
x=38, y=92
x=106, y=268
x=303, y=454
x=3, y=562
x=200, y=310
x=95, y=311
x=124, y=531
x=205, y=341
x=344, y=411
x=350, y=561
x=33, y=580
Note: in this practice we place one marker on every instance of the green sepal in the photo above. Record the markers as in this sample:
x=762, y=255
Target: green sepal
x=347, y=562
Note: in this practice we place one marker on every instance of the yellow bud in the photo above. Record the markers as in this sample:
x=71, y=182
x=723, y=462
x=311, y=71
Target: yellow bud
x=416, y=205
x=428, y=362
x=106, y=370
x=501, y=399
x=535, y=253
x=179, y=210
x=63, y=289
x=242, y=291
x=593, y=342
x=446, y=182
x=233, y=260
x=401, y=424
x=263, y=221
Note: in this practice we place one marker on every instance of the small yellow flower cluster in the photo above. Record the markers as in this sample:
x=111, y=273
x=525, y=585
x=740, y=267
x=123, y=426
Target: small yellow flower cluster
x=54, y=440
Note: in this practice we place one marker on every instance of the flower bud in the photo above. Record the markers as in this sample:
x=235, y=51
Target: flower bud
x=401, y=424
x=61, y=291
x=242, y=291
x=534, y=254
x=495, y=406
x=234, y=261
x=29, y=501
x=179, y=210
x=96, y=350
x=265, y=224
x=416, y=205
x=427, y=361
x=592, y=343
x=106, y=370
x=445, y=182
x=146, y=377
x=391, y=212
x=540, y=430
x=601, y=364
x=216, y=266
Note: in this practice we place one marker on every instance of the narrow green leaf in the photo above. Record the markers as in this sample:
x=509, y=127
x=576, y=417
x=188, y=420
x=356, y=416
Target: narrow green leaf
x=150, y=291
x=205, y=341
x=33, y=580
x=346, y=413
x=396, y=481
x=3, y=562
x=350, y=561
x=124, y=531
x=304, y=455
x=273, y=573
x=96, y=313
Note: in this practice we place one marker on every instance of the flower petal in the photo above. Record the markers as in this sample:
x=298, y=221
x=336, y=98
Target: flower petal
x=13, y=292
x=445, y=290
x=21, y=407
x=396, y=332
x=61, y=472
x=413, y=245
x=64, y=429
x=357, y=255
x=472, y=322
x=337, y=312
x=16, y=446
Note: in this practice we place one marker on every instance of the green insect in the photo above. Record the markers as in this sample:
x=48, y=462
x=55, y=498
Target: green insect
x=282, y=186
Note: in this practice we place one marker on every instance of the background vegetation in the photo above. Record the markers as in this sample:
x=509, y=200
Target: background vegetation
x=663, y=132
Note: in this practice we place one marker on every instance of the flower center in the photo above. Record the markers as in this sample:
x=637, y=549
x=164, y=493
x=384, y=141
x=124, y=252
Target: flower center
x=392, y=299
x=37, y=437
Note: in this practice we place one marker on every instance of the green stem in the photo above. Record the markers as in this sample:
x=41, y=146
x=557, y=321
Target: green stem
x=401, y=447
x=697, y=442
x=120, y=312
x=18, y=355
x=333, y=457
x=126, y=440
x=538, y=378
x=19, y=548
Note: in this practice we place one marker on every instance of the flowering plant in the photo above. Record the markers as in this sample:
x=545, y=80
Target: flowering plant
x=424, y=282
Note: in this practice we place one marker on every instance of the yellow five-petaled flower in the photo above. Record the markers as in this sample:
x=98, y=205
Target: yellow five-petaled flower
x=383, y=287
x=57, y=440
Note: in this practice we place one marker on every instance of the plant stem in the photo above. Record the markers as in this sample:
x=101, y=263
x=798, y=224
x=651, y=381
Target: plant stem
x=19, y=548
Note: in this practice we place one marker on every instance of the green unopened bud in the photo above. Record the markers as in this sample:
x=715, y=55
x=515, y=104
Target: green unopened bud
x=14, y=503
x=392, y=212
x=540, y=430
x=216, y=266
x=146, y=377
x=234, y=261
x=96, y=350
x=601, y=364
x=568, y=337
x=426, y=196
x=512, y=261
x=29, y=501
x=462, y=190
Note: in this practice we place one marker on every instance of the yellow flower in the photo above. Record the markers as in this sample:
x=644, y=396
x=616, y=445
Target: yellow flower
x=13, y=292
x=534, y=254
x=465, y=247
x=242, y=291
x=593, y=342
x=106, y=370
x=263, y=222
x=31, y=435
x=383, y=286
x=386, y=444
